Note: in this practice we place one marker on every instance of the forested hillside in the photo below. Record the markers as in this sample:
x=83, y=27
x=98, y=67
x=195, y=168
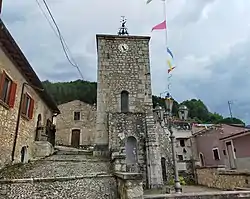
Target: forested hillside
x=86, y=91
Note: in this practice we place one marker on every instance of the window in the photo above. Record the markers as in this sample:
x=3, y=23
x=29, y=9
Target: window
x=182, y=143
x=124, y=101
x=180, y=157
x=7, y=90
x=27, y=106
x=77, y=115
x=216, y=154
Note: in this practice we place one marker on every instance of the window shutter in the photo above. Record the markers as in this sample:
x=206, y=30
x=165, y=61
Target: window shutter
x=12, y=94
x=2, y=78
x=31, y=108
x=23, y=103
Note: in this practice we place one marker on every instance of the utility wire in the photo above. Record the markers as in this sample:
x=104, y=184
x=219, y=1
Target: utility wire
x=52, y=27
x=60, y=36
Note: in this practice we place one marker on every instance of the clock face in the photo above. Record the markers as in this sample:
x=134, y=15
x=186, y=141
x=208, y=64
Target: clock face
x=123, y=47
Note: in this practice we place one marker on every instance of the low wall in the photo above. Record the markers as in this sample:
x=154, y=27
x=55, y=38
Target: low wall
x=209, y=195
x=129, y=185
x=222, y=179
x=87, y=187
x=41, y=149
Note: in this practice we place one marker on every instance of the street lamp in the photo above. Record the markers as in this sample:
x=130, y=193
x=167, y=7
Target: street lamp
x=169, y=101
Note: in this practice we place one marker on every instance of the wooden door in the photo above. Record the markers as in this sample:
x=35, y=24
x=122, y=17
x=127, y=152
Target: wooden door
x=75, y=138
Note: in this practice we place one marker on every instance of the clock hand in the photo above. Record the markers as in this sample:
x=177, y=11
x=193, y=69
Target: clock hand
x=123, y=48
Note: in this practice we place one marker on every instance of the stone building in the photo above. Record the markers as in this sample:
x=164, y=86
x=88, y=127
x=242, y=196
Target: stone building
x=125, y=124
x=76, y=124
x=26, y=110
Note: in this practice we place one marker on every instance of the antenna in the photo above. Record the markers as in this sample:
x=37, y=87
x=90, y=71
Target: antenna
x=230, y=109
x=123, y=29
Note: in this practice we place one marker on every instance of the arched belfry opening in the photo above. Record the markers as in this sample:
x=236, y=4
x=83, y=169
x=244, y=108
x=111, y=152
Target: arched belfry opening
x=124, y=101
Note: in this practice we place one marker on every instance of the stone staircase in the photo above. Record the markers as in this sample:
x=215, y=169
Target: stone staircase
x=69, y=173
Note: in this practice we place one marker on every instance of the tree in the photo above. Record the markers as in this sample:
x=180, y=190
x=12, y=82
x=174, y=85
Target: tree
x=230, y=120
x=86, y=91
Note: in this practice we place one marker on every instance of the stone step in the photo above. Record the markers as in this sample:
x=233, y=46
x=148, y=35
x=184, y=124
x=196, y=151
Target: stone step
x=56, y=168
x=74, y=152
x=75, y=158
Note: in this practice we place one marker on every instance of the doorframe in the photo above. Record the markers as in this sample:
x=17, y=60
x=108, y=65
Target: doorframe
x=232, y=145
x=200, y=153
x=234, y=155
x=70, y=135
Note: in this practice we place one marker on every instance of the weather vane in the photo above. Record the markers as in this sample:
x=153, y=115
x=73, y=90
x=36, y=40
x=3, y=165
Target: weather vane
x=123, y=30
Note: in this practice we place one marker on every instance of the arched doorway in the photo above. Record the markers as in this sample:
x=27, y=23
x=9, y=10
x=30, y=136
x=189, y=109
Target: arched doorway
x=24, y=154
x=75, y=138
x=131, y=150
x=163, y=168
x=131, y=154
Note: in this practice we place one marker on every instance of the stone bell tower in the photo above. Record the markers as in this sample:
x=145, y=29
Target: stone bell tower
x=124, y=99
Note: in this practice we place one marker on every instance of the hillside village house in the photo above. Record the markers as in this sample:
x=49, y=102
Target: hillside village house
x=76, y=124
x=237, y=150
x=26, y=110
x=213, y=148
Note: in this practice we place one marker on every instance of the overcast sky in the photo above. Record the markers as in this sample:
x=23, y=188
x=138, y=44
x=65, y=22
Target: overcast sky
x=209, y=39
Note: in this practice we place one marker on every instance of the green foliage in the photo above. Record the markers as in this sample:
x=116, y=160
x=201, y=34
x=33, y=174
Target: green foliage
x=64, y=92
x=181, y=179
x=86, y=91
x=230, y=120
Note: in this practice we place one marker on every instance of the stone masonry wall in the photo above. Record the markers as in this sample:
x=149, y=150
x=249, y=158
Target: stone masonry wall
x=123, y=125
x=66, y=123
x=222, y=179
x=119, y=71
x=165, y=148
x=8, y=117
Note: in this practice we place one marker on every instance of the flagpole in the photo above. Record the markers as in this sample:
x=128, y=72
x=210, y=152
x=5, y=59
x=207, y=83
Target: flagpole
x=166, y=36
x=165, y=17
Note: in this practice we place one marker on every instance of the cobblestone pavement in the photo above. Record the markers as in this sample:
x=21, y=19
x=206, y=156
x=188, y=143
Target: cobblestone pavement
x=58, y=166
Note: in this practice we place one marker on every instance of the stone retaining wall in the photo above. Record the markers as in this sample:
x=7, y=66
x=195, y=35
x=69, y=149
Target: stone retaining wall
x=87, y=187
x=222, y=179
x=208, y=195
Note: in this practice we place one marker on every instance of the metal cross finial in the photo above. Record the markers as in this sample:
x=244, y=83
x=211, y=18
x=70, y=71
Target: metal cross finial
x=123, y=30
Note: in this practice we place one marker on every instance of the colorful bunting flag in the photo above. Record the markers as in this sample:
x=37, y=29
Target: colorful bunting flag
x=171, y=67
x=160, y=26
x=169, y=52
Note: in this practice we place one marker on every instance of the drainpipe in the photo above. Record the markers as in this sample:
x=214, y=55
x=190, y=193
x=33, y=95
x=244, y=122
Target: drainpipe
x=19, y=116
x=18, y=122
